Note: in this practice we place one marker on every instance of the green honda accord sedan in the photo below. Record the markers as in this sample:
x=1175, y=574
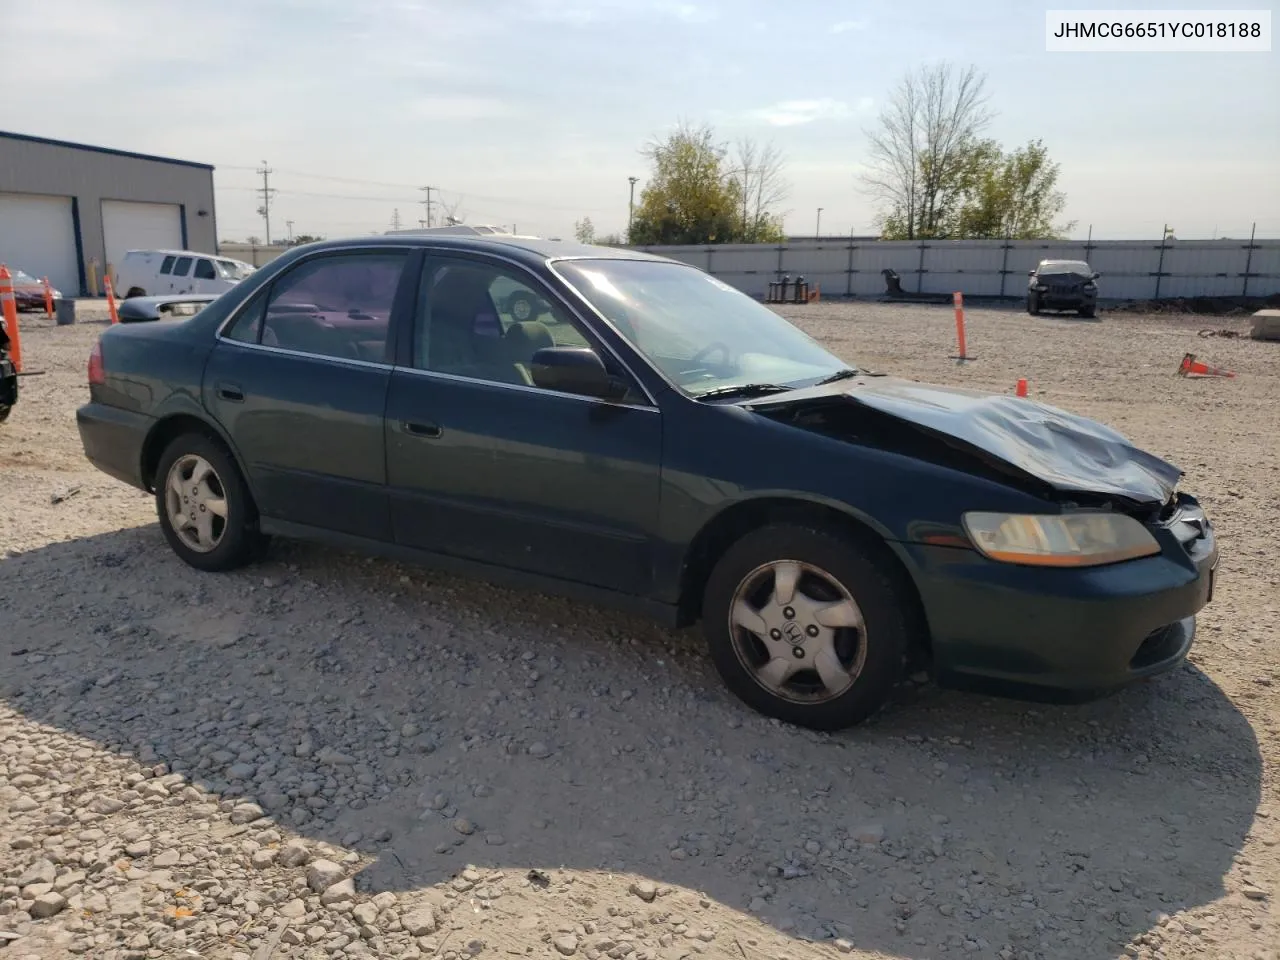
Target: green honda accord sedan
x=627, y=429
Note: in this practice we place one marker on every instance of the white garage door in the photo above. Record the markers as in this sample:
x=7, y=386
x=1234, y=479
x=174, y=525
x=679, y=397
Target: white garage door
x=139, y=226
x=38, y=235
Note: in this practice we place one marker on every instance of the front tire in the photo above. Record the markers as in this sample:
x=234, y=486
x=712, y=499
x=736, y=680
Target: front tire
x=135, y=292
x=206, y=512
x=1033, y=304
x=808, y=626
x=1088, y=312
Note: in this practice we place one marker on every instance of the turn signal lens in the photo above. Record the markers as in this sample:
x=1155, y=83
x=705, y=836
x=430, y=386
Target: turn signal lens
x=1059, y=540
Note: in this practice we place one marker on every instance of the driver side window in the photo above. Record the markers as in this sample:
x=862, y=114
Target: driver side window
x=485, y=322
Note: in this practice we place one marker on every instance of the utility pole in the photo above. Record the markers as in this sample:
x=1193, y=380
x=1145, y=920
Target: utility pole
x=631, y=206
x=395, y=219
x=264, y=211
x=426, y=203
x=817, y=227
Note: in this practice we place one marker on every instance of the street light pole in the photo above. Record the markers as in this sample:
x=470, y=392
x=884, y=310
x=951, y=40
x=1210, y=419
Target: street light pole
x=631, y=206
x=817, y=228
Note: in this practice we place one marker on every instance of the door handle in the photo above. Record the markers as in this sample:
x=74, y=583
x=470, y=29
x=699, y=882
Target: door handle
x=420, y=429
x=230, y=391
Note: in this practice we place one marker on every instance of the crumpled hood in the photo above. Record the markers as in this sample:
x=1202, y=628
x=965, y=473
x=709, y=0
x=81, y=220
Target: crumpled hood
x=1068, y=452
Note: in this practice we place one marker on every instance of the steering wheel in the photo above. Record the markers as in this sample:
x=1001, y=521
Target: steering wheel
x=710, y=348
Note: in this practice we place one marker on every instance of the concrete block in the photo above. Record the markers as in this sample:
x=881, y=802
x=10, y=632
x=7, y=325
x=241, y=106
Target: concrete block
x=1266, y=325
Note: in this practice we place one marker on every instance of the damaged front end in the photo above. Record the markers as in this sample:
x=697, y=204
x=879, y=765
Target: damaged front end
x=1050, y=453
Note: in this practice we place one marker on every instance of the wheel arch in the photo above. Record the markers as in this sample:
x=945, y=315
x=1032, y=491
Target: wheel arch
x=737, y=520
x=174, y=425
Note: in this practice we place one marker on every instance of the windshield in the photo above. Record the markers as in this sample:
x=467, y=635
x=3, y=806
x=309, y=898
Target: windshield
x=21, y=276
x=700, y=332
x=231, y=270
x=1066, y=266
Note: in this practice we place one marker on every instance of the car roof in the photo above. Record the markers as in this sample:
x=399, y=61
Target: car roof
x=531, y=250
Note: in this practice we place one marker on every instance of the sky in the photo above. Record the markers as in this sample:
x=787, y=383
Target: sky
x=532, y=114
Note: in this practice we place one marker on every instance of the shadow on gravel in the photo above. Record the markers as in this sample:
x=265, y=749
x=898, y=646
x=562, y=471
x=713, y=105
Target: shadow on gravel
x=359, y=700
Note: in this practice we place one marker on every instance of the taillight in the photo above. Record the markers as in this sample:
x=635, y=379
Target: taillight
x=97, y=372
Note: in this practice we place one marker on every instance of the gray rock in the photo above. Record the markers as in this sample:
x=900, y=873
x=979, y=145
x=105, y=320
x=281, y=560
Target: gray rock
x=47, y=905
x=421, y=921
x=293, y=854
x=365, y=913
x=262, y=859
x=464, y=826
x=140, y=849
x=340, y=892
x=241, y=771
x=106, y=805
x=566, y=945
x=294, y=910
x=322, y=874
x=169, y=858
x=869, y=833
x=247, y=813
x=539, y=750
x=42, y=871
x=645, y=890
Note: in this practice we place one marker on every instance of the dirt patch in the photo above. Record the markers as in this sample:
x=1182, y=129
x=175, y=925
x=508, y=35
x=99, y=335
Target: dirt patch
x=193, y=765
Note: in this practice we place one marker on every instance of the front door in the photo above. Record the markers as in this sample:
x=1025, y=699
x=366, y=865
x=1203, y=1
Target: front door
x=485, y=466
x=299, y=381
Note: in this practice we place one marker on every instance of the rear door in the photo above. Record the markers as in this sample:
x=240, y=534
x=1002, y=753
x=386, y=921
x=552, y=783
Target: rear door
x=299, y=380
x=180, y=276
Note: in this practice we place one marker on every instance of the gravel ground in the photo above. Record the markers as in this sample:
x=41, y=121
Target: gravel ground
x=331, y=756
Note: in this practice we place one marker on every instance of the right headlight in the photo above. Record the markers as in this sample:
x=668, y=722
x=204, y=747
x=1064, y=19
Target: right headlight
x=1086, y=539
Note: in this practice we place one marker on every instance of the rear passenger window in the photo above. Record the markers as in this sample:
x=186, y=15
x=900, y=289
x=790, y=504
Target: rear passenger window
x=182, y=266
x=204, y=270
x=337, y=306
x=167, y=265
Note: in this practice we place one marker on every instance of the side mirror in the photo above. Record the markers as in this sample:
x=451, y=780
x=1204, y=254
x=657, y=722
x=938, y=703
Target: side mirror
x=575, y=370
x=1031, y=273
x=1095, y=276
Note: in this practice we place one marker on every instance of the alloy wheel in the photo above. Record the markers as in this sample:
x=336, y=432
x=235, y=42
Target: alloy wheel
x=196, y=503
x=798, y=631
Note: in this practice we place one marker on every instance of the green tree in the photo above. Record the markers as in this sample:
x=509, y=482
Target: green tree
x=584, y=230
x=690, y=196
x=1012, y=195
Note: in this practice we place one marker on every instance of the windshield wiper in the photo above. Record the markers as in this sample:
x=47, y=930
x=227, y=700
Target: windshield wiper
x=744, y=390
x=839, y=375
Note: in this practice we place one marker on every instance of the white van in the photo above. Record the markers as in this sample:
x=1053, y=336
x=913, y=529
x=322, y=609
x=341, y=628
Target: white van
x=151, y=273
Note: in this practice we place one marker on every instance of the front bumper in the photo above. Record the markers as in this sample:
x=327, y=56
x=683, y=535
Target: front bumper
x=1065, y=301
x=113, y=440
x=1078, y=632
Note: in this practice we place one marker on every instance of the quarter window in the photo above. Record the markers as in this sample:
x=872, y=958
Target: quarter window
x=167, y=264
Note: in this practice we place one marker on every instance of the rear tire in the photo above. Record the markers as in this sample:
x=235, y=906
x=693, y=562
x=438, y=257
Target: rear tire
x=205, y=508
x=830, y=624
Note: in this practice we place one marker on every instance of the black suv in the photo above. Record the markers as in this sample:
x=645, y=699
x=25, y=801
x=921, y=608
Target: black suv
x=1063, y=285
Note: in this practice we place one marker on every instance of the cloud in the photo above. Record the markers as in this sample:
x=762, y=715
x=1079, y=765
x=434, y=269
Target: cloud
x=845, y=26
x=791, y=113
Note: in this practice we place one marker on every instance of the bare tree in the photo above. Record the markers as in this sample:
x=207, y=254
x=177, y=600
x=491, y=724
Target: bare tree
x=758, y=168
x=920, y=146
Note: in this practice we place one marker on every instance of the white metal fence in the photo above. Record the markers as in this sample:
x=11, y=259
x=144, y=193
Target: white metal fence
x=1131, y=269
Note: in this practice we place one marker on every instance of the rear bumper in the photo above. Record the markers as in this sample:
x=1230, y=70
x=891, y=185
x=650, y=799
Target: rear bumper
x=113, y=440
x=1078, y=632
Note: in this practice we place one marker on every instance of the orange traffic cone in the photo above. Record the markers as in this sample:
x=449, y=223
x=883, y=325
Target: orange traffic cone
x=1191, y=367
x=111, y=298
x=9, y=310
x=1022, y=387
